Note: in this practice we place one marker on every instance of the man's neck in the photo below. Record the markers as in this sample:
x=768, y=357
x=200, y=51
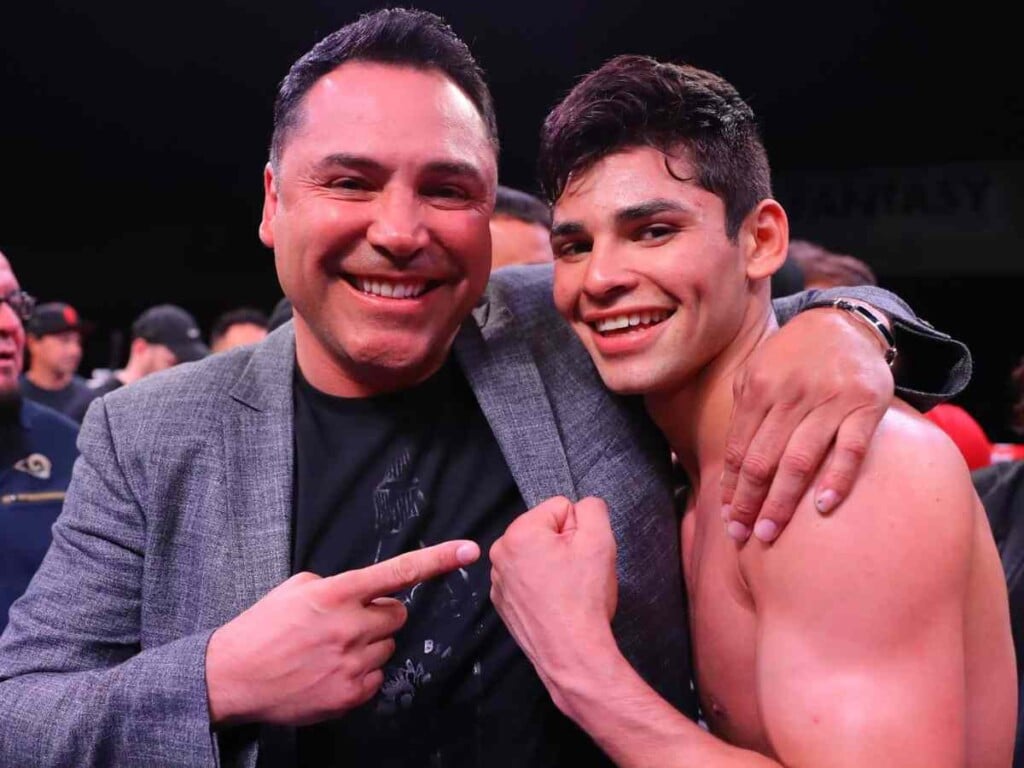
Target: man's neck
x=49, y=379
x=695, y=418
x=130, y=373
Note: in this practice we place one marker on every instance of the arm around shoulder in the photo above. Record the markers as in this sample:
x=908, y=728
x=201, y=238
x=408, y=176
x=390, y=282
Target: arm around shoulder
x=932, y=366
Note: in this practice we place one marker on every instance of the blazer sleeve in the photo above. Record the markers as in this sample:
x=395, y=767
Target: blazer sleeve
x=76, y=685
x=932, y=367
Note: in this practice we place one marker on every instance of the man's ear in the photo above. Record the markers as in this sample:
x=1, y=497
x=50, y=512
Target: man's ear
x=269, y=206
x=766, y=231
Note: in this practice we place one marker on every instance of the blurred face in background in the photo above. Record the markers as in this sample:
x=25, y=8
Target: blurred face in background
x=514, y=241
x=57, y=353
x=12, y=334
x=149, y=357
x=238, y=335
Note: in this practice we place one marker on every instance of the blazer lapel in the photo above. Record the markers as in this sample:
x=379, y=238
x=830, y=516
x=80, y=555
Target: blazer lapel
x=503, y=375
x=259, y=459
x=259, y=453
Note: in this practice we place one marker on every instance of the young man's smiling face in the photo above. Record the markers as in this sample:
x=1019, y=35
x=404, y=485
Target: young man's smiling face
x=646, y=274
x=378, y=214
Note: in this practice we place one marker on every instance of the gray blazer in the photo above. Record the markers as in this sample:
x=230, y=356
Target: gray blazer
x=178, y=518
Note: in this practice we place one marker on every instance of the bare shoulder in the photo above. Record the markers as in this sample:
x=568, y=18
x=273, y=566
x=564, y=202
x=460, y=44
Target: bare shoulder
x=911, y=454
x=909, y=518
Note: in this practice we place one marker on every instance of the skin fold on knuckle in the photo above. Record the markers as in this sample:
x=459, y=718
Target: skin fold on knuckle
x=734, y=453
x=852, y=449
x=757, y=471
x=797, y=466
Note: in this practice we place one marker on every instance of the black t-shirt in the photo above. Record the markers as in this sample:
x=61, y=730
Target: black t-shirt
x=379, y=476
x=60, y=400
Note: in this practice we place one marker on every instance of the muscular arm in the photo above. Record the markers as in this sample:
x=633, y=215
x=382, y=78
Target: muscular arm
x=861, y=626
x=861, y=617
x=553, y=582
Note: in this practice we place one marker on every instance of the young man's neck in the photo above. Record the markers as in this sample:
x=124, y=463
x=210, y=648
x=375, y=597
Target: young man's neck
x=695, y=418
x=47, y=378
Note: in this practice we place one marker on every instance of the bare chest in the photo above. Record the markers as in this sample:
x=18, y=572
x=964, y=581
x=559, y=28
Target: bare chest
x=723, y=632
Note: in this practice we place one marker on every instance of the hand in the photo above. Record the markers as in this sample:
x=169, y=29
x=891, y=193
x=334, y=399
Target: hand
x=820, y=378
x=553, y=582
x=312, y=648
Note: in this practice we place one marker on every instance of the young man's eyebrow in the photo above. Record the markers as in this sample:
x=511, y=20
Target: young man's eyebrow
x=647, y=208
x=560, y=228
x=623, y=215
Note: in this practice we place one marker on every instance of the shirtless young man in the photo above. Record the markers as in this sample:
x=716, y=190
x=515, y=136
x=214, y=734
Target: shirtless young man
x=875, y=636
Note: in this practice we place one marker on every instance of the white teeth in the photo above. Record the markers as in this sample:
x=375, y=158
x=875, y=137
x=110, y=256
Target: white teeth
x=628, y=321
x=390, y=290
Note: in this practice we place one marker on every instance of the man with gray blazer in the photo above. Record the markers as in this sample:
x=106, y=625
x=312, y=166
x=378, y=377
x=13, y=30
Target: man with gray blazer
x=238, y=572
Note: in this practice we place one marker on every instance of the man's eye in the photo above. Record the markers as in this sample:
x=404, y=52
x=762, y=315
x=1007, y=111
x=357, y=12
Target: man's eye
x=654, y=232
x=571, y=248
x=447, y=191
x=349, y=182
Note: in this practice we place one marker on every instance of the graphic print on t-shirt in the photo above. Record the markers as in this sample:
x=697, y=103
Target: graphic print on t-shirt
x=397, y=498
x=398, y=501
x=376, y=477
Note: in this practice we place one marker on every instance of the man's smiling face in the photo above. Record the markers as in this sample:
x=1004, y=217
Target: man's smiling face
x=378, y=214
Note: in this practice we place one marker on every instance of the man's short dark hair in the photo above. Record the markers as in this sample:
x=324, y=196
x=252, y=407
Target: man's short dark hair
x=406, y=37
x=523, y=206
x=238, y=316
x=636, y=101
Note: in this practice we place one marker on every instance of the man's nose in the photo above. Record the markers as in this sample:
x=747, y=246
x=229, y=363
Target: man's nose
x=607, y=272
x=398, y=227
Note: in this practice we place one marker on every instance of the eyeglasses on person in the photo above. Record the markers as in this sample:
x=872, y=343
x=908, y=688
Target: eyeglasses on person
x=21, y=302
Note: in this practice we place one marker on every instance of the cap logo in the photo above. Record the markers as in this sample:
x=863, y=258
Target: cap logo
x=192, y=333
x=70, y=316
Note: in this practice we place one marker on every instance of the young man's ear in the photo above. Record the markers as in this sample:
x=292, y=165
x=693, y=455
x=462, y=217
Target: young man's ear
x=269, y=206
x=766, y=231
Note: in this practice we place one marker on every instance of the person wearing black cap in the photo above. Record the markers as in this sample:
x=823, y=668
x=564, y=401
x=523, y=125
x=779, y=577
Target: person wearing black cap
x=54, y=341
x=162, y=336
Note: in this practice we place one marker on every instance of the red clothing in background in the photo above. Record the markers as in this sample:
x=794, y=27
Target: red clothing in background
x=967, y=433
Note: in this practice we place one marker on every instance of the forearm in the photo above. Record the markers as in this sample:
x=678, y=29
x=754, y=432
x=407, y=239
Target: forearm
x=931, y=368
x=148, y=710
x=631, y=723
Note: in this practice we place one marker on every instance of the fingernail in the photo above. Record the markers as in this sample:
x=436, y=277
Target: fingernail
x=737, y=531
x=826, y=501
x=766, y=530
x=726, y=511
x=467, y=553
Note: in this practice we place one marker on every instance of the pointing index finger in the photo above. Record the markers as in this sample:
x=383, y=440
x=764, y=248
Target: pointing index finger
x=406, y=570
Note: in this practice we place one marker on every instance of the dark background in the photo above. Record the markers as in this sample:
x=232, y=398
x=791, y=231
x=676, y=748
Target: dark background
x=134, y=135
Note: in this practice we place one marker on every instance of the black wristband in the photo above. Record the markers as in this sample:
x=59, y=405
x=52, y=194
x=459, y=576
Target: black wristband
x=872, y=320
